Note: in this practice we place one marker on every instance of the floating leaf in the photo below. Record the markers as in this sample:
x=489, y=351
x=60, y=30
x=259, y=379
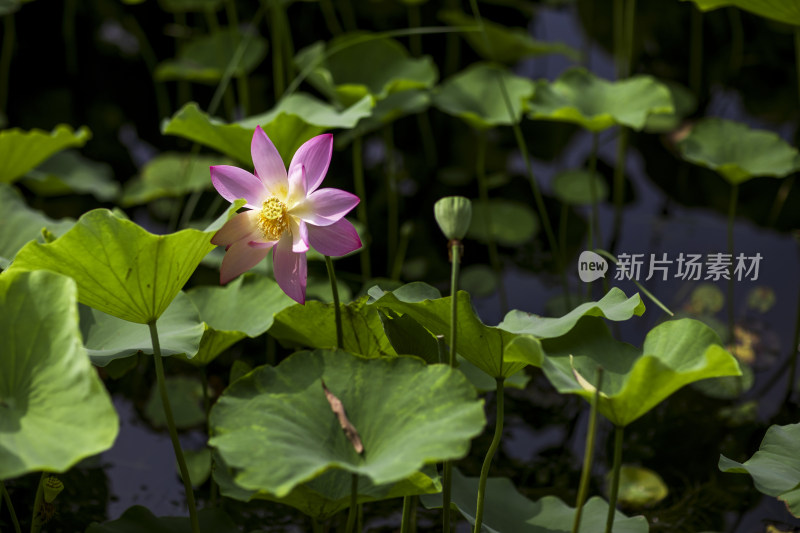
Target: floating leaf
x=293, y=121
x=339, y=73
x=738, y=153
x=138, y=519
x=22, y=151
x=408, y=414
x=120, y=268
x=574, y=187
x=506, y=45
x=508, y=511
x=169, y=174
x=186, y=399
x=675, y=353
x=198, y=462
x=313, y=325
x=580, y=97
x=785, y=12
x=640, y=487
x=54, y=410
x=475, y=96
x=479, y=280
x=205, y=59
x=22, y=224
x=505, y=222
x=108, y=338
x=775, y=467
x=69, y=172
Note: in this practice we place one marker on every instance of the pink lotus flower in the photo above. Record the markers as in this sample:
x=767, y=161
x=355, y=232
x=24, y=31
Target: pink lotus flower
x=287, y=213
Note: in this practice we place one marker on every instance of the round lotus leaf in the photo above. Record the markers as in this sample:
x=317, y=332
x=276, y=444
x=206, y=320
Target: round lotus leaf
x=736, y=152
x=169, y=174
x=574, y=187
x=684, y=102
x=729, y=387
x=580, y=97
x=54, y=410
x=21, y=151
x=478, y=280
x=404, y=413
x=69, y=172
x=780, y=10
x=186, y=399
x=506, y=222
x=640, y=487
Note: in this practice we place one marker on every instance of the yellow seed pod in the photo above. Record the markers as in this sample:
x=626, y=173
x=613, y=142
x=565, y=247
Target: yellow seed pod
x=52, y=488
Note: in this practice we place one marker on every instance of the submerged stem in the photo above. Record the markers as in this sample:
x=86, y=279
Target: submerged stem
x=353, y=511
x=614, y=489
x=11, y=512
x=336, y=309
x=588, y=455
x=173, y=432
x=498, y=433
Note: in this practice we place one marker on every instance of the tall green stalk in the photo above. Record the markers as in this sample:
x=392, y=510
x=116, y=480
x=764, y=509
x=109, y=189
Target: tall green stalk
x=173, y=432
x=498, y=434
x=10, y=506
x=361, y=211
x=36, y=521
x=617, y=468
x=353, y=511
x=9, y=37
x=337, y=310
x=278, y=73
x=406, y=524
x=731, y=216
x=588, y=455
x=696, y=57
x=619, y=181
x=392, y=203
x=594, y=224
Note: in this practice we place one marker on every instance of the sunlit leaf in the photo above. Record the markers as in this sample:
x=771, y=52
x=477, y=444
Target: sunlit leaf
x=54, y=410
x=138, y=519
x=505, y=222
x=780, y=10
x=205, y=59
x=640, y=487
x=508, y=511
x=407, y=413
x=120, y=268
x=22, y=151
x=508, y=44
x=775, y=467
x=580, y=97
x=738, y=153
x=475, y=96
x=186, y=399
x=574, y=187
x=169, y=174
x=339, y=73
x=69, y=172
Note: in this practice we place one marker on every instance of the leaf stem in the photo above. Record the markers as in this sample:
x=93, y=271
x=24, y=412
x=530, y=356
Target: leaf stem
x=588, y=455
x=731, y=217
x=337, y=311
x=173, y=432
x=406, y=525
x=612, y=497
x=36, y=521
x=498, y=433
x=11, y=512
x=619, y=183
x=353, y=511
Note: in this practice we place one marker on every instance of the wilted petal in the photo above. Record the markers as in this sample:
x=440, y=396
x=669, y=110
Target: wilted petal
x=290, y=269
x=233, y=183
x=237, y=228
x=315, y=155
x=340, y=238
x=240, y=258
x=268, y=164
x=325, y=206
x=299, y=235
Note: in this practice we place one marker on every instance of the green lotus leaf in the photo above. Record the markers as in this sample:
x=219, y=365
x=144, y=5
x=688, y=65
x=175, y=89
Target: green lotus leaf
x=775, y=467
x=198, y=462
x=328, y=494
x=780, y=10
x=415, y=291
x=69, y=172
x=640, y=487
x=615, y=305
x=508, y=511
x=479, y=280
x=108, y=338
x=675, y=353
x=406, y=413
x=574, y=187
x=738, y=153
x=475, y=96
x=580, y=97
x=313, y=325
x=186, y=399
x=507, y=45
x=138, y=519
x=205, y=59
x=22, y=224
x=293, y=121
x=169, y=174
x=684, y=103
x=54, y=410
x=386, y=111
x=22, y=151
x=338, y=72
x=244, y=308
x=512, y=223
x=120, y=268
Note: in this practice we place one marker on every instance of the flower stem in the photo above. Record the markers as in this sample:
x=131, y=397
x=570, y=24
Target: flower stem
x=498, y=433
x=612, y=496
x=588, y=455
x=407, y=523
x=173, y=432
x=11, y=512
x=353, y=511
x=336, y=308
x=329, y=14
x=36, y=521
x=361, y=210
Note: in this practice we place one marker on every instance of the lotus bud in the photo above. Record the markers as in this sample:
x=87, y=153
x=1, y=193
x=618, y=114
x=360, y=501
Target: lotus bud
x=453, y=214
x=52, y=488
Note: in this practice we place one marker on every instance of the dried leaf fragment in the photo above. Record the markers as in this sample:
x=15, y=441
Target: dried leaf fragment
x=349, y=430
